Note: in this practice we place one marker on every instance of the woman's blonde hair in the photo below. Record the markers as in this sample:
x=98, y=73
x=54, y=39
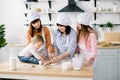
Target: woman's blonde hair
x=84, y=32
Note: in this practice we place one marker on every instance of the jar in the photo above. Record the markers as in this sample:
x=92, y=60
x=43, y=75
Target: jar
x=66, y=64
x=115, y=8
x=77, y=61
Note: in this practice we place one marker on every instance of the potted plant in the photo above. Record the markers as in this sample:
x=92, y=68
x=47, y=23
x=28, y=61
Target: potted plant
x=101, y=27
x=2, y=36
x=109, y=25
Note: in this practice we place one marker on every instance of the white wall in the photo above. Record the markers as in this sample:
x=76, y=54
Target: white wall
x=12, y=15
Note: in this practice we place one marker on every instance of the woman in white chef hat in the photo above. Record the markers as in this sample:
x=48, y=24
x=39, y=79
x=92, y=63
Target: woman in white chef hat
x=86, y=38
x=36, y=28
x=64, y=39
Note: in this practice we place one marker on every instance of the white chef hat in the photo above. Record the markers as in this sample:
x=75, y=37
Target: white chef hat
x=32, y=15
x=63, y=19
x=84, y=18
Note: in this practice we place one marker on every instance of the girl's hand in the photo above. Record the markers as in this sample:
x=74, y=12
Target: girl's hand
x=88, y=62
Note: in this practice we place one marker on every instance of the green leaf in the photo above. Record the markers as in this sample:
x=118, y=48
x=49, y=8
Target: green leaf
x=3, y=42
x=2, y=25
x=2, y=29
x=2, y=34
x=109, y=24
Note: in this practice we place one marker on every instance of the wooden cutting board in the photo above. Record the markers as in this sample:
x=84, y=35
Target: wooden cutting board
x=112, y=37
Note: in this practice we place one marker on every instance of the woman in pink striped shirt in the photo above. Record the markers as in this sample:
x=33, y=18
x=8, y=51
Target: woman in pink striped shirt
x=87, y=39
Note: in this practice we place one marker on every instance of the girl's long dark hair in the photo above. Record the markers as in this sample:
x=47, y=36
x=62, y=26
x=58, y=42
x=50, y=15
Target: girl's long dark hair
x=32, y=28
x=67, y=30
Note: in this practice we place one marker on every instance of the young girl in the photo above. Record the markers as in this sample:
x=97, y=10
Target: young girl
x=30, y=54
x=37, y=28
x=87, y=38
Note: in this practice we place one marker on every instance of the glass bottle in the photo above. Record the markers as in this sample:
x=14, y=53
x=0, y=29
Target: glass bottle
x=114, y=7
x=12, y=60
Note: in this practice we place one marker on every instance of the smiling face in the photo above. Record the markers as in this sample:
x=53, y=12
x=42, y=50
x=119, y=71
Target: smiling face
x=79, y=27
x=36, y=24
x=62, y=28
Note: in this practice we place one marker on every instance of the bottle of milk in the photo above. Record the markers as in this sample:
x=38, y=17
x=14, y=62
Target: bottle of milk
x=12, y=60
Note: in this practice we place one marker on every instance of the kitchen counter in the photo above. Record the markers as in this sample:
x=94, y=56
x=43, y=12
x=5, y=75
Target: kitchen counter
x=30, y=71
x=112, y=47
x=104, y=44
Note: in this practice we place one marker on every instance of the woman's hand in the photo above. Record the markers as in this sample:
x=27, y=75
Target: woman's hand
x=47, y=63
x=53, y=60
x=50, y=49
x=77, y=50
x=88, y=62
x=50, y=55
x=56, y=59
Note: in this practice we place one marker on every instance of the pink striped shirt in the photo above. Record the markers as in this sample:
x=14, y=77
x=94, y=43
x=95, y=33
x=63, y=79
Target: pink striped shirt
x=91, y=45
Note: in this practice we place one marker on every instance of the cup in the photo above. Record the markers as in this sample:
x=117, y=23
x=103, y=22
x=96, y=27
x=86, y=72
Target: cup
x=77, y=62
x=66, y=64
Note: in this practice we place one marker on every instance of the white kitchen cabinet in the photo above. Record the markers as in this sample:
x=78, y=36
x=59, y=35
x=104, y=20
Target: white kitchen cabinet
x=106, y=64
x=118, y=64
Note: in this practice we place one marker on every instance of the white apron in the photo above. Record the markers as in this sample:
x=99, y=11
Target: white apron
x=43, y=49
x=83, y=51
x=62, y=46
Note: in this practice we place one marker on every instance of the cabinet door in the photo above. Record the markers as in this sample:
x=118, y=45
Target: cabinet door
x=118, y=64
x=106, y=65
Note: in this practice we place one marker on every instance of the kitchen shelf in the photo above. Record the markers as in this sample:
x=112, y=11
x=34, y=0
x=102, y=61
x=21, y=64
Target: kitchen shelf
x=42, y=24
x=108, y=0
x=102, y=23
x=38, y=1
x=106, y=12
x=31, y=3
x=41, y=12
x=44, y=0
x=49, y=13
x=28, y=7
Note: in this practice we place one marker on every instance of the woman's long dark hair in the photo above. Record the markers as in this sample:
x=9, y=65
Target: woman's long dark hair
x=67, y=30
x=32, y=28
